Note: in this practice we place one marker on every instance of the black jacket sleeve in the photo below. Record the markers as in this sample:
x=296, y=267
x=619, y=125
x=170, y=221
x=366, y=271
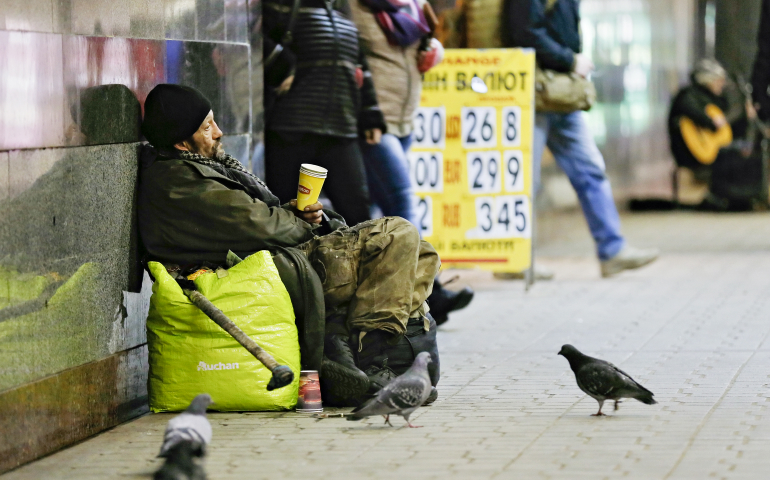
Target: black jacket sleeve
x=686, y=104
x=524, y=25
x=370, y=115
x=279, y=60
x=760, y=79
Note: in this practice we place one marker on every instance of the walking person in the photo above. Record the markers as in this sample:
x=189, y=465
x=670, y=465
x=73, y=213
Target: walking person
x=320, y=100
x=396, y=39
x=551, y=27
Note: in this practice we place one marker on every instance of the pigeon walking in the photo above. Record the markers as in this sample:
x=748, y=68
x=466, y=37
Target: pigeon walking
x=402, y=396
x=191, y=427
x=181, y=464
x=602, y=380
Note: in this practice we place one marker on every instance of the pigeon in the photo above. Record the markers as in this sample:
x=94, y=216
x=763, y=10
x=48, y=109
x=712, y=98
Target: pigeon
x=604, y=381
x=402, y=396
x=180, y=464
x=190, y=426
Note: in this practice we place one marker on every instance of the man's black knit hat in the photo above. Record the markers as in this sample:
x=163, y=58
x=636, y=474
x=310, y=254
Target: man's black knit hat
x=172, y=113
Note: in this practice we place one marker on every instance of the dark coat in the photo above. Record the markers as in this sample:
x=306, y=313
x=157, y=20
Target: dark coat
x=191, y=213
x=760, y=79
x=323, y=57
x=690, y=102
x=554, y=35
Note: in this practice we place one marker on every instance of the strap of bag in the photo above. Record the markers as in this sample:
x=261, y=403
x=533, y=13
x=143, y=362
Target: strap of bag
x=287, y=37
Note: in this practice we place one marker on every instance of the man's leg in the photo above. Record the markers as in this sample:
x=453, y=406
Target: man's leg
x=395, y=275
x=345, y=184
x=284, y=153
x=576, y=153
x=388, y=174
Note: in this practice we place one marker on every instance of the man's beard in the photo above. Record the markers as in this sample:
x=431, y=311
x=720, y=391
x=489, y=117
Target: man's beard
x=217, y=154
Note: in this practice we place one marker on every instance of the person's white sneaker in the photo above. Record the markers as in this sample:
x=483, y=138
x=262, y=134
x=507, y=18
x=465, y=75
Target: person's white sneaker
x=541, y=273
x=627, y=259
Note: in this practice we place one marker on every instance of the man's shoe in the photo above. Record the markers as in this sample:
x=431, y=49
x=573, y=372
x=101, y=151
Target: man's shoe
x=541, y=274
x=337, y=349
x=340, y=385
x=341, y=380
x=627, y=259
x=443, y=301
x=432, y=397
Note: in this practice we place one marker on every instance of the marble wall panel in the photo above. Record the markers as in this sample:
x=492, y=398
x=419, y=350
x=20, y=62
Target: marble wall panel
x=70, y=253
x=27, y=15
x=44, y=416
x=180, y=19
x=126, y=18
x=52, y=90
x=32, y=93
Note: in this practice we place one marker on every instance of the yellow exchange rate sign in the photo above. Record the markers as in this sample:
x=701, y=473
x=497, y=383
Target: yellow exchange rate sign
x=471, y=156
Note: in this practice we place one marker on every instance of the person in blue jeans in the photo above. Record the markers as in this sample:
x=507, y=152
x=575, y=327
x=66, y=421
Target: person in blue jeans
x=388, y=174
x=551, y=27
x=395, y=36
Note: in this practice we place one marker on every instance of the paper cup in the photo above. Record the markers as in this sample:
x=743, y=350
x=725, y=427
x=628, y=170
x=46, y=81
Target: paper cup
x=309, y=399
x=311, y=179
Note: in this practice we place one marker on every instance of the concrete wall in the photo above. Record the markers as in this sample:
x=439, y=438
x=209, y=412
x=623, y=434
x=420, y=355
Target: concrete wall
x=73, y=297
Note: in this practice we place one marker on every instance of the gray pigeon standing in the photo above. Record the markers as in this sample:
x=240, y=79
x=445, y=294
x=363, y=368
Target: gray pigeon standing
x=402, y=396
x=190, y=426
x=180, y=464
x=602, y=380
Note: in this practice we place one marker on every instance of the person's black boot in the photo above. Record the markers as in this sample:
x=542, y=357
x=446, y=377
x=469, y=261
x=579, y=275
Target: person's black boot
x=443, y=301
x=341, y=379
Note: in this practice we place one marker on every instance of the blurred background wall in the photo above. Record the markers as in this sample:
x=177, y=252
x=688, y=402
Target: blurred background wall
x=73, y=298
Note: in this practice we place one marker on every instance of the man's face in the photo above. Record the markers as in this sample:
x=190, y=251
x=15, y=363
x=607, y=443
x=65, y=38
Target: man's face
x=206, y=141
x=717, y=86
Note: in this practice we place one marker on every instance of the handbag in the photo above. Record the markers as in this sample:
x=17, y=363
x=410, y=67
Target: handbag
x=560, y=92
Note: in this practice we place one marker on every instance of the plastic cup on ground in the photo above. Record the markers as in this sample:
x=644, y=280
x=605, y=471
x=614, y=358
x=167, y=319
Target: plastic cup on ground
x=309, y=399
x=311, y=179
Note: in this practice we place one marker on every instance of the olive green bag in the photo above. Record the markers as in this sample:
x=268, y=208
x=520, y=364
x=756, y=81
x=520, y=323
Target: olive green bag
x=562, y=92
x=190, y=354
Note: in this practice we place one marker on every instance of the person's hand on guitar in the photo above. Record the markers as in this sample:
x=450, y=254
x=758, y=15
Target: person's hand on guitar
x=719, y=121
x=751, y=112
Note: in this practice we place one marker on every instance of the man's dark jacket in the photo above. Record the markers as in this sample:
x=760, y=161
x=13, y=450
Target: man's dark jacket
x=323, y=56
x=760, y=79
x=691, y=102
x=555, y=34
x=192, y=214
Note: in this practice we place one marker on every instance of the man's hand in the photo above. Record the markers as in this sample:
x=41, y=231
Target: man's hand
x=373, y=136
x=751, y=112
x=583, y=65
x=285, y=86
x=312, y=214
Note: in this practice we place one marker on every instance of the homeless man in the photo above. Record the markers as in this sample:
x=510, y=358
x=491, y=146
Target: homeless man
x=196, y=203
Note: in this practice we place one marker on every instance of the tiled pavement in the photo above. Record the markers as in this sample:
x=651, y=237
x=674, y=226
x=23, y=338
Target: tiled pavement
x=692, y=327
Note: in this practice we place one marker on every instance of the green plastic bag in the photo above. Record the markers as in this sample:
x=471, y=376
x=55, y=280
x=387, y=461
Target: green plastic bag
x=190, y=354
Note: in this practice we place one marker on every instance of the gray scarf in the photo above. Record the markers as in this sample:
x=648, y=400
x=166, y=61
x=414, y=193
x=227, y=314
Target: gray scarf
x=224, y=160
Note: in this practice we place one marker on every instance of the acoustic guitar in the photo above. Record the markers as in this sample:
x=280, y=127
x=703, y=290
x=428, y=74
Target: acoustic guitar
x=704, y=143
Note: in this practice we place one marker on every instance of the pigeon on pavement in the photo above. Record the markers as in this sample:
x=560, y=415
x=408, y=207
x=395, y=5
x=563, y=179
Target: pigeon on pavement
x=190, y=426
x=180, y=464
x=602, y=380
x=402, y=396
